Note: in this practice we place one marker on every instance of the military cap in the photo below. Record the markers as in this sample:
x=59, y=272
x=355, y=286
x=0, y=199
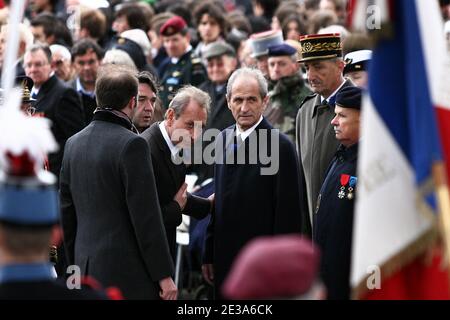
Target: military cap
x=260, y=42
x=173, y=26
x=357, y=60
x=26, y=83
x=281, y=50
x=133, y=49
x=349, y=97
x=216, y=49
x=320, y=46
x=26, y=197
x=273, y=267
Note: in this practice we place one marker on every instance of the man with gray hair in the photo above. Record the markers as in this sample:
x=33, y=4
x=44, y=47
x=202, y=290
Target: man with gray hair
x=186, y=115
x=257, y=194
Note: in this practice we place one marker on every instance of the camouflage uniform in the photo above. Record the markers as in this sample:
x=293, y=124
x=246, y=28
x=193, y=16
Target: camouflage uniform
x=285, y=99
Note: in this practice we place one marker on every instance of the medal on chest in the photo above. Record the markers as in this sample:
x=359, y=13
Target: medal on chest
x=344, y=181
x=351, y=187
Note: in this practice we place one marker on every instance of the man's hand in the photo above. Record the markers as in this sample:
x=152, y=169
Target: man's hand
x=169, y=290
x=208, y=273
x=181, y=196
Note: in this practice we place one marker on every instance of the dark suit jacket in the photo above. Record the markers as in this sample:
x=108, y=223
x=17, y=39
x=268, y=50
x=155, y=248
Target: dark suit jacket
x=110, y=212
x=333, y=223
x=169, y=178
x=88, y=103
x=249, y=204
x=62, y=106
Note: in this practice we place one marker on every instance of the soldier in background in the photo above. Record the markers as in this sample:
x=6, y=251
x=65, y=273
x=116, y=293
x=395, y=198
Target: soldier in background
x=182, y=66
x=289, y=89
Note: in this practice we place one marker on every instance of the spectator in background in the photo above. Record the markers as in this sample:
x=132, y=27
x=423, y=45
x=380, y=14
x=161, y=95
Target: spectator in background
x=310, y=7
x=62, y=62
x=285, y=9
x=278, y=267
x=321, y=19
x=211, y=25
x=289, y=89
x=120, y=57
x=293, y=27
x=37, y=7
x=86, y=59
x=25, y=42
x=48, y=29
x=54, y=100
x=337, y=6
x=265, y=9
x=237, y=20
x=92, y=25
x=130, y=16
x=356, y=41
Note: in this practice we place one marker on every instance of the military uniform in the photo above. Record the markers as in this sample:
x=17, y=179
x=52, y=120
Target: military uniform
x=315, y=137
x=333, y=222
x=285, y=98
x=316, y=145
x=29, y=207
x=188, y=70
x=333, y=218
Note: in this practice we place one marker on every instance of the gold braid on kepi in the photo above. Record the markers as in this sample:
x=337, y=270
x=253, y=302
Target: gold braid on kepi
x=320, y=46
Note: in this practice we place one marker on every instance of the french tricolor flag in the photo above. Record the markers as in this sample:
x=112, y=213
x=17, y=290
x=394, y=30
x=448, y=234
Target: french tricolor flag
x=401, y=216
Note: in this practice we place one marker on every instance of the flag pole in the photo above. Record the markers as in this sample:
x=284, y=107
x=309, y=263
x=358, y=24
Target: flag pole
x=443, y=201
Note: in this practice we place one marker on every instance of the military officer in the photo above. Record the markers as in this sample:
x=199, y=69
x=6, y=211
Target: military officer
x=333, y=218
x=316, y=143
x=260, y=43
x=29, y=212
x=357, y=66
x=182, y=66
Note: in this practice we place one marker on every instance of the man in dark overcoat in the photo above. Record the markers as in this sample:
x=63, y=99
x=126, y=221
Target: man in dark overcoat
x=110, y=212
x=253, y=197
x=189, y=107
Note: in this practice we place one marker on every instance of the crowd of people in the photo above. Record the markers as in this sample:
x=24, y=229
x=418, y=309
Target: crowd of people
x=132, y=88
